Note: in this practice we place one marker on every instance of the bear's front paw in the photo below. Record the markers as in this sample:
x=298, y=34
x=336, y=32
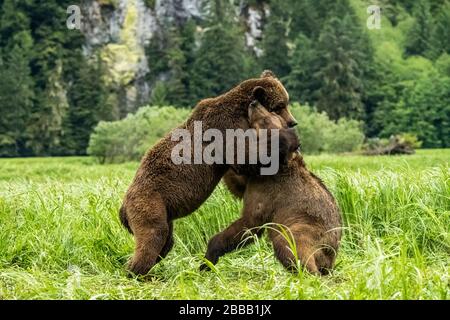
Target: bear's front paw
x=204, y=267
x=209, y=262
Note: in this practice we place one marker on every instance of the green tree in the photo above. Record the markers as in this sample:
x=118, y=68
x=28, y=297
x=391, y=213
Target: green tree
x=383, y=93
x=340, y=75
x=159, y=94
x=56, y=54
x=16, y=82
x=188, y=47
x=173, y=53
x=440, y=38
x=16, y=96
x=86, y=101
x=275, y=41
x=418, y=38
x=443, y=64
x=422, y=110
x=303, y=64
x=156, y=53
x=178, y=83
x=220, y=60
x=304, y=17
x=180, y=56
x=333, y=67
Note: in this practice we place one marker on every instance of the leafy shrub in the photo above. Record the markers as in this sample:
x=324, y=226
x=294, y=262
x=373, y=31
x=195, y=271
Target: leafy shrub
x=320, y=134
x=129, y=138
x=410, y=139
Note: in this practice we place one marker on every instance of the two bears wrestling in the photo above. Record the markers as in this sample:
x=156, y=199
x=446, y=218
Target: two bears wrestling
x=294, y=200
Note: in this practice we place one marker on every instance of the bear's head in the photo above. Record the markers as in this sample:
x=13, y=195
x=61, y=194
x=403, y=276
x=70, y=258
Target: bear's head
x=260, y=118
x=271, y=93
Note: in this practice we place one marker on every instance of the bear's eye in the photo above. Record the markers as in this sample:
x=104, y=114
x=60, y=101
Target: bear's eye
x=278, y=111
x=278, y=108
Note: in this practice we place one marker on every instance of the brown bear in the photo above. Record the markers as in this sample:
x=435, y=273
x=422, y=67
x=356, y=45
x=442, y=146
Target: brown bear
x=294, y=200
x=163, y=191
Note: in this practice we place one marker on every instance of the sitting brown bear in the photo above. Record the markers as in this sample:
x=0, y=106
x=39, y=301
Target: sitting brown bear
x=294, y=198
x=163, y=191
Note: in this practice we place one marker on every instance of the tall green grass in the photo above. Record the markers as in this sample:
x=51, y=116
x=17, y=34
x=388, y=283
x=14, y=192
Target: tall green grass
x=60, y=236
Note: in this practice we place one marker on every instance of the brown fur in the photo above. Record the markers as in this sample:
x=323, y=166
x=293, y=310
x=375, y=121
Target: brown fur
x=235, y=183
x=261, y=119
x=162, y=191
x=294, y=198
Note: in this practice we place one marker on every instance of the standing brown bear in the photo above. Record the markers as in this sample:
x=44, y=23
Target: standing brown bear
x=294, y=198
x=163, y=191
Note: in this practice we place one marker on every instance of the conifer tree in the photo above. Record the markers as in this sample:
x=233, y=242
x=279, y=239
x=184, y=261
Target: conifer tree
x=156, y=53
x=56, y=57
x=304, y=18
x=180, y=55
x=87, y=97
x=300, y=82
x=275, y=40
x=16, y=81
x=16, y=96
x=220, y=59
x=418, y=38
x=440, y=39
x=159, y=94
x=340, y=91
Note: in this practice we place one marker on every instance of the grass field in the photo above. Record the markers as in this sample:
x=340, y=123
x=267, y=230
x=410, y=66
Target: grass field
x=60, y=236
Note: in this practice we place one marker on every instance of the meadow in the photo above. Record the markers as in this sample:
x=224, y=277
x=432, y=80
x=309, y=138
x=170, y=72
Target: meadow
x=60, y=235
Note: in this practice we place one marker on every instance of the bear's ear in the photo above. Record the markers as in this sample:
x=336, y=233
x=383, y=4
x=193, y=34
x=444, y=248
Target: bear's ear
x=268, y=74
x=259, y=94
x=254, y=104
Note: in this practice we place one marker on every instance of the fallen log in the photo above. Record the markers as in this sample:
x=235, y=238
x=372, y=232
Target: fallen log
x=394, y=147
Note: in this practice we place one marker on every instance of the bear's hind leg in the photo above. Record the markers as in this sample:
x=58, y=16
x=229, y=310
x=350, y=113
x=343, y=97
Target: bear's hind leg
x=325, y=259
x=151, y=231
x=304, y=245
x=168, y=245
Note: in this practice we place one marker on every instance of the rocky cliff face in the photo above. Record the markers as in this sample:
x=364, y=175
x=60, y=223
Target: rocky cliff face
x=120, y=30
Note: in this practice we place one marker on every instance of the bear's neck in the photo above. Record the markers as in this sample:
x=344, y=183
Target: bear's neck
x=295, y=163
x=238, y=99
x=230, y=110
